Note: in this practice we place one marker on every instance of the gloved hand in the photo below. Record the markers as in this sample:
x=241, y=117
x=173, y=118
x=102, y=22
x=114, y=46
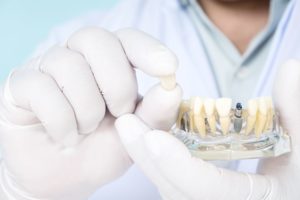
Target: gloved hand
x=57, y=132
x=179, y=176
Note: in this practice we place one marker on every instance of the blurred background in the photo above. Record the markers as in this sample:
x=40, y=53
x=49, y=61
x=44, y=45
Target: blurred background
x=26, y=23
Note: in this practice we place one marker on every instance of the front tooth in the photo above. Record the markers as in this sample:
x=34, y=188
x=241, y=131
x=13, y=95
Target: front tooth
x=184, y=108
x=252, y=112
x=261, y=116
x=223, y=107
x=199, y=120
x=270, y=113
x=209, y=106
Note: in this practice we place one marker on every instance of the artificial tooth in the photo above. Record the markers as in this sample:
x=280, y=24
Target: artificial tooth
x=261, y=116
x=252, y=112
x=223, y=107
x=199, y=120
x=184, y=108
x=168, y=82
x=270, y=113
x=209, y=106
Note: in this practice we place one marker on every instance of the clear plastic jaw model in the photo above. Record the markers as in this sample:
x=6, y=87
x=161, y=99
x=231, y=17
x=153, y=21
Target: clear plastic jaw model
x=213, y=130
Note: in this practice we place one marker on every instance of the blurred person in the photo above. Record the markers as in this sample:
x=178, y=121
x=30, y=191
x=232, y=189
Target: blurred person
x=73, y=122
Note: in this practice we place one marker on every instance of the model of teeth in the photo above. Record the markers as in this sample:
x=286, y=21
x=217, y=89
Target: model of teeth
x=199, y=116
x=270, y=113
x=252, y=112
x=184, y=108
x=261, y=116
x=223, y=107
x=209, y=107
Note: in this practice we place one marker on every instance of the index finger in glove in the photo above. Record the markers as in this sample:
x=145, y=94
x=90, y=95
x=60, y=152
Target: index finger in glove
x=110, y=58
x=111, y=69
x=149, y=55
x=160, y=105
x=172, y=166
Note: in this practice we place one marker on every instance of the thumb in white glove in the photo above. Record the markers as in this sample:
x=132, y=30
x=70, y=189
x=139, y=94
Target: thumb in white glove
x=179, y=176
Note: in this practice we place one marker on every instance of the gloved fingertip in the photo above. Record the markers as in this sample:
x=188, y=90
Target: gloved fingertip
x=159, y=107
x=130, y=128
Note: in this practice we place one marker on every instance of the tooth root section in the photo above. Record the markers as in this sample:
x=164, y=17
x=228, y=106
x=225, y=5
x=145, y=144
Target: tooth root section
x=270, y=113
x=223, y=106
x=252, y=112
x=199, y=120
x=184, y=108
x=191, y=115
x=261, y=116
x=168, y=82
x=209, y=107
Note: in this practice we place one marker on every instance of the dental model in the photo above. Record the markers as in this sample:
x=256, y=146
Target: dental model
x=216, y=117
x=213, y=130
x=252, y=112
x=261, y=117
x=209, y=107
x=223, y=107
x=199, y=116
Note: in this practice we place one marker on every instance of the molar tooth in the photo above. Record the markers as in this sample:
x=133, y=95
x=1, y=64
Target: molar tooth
x=209, y=106
x=199, y=120
x=252, y=112
x=223, y=106
x=184, y=108
x=270, y=113
x=261, y=116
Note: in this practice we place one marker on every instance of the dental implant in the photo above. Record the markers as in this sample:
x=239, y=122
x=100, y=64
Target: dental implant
x=238, y=120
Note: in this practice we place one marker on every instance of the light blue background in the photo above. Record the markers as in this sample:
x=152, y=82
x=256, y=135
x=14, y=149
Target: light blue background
x=25, y=23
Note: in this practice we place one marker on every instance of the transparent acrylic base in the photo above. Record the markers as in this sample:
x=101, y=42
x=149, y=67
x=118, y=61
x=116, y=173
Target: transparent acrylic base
x=235, y=146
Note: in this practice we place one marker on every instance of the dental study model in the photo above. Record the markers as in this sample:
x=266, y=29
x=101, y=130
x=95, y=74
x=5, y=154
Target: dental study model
x=213, y=130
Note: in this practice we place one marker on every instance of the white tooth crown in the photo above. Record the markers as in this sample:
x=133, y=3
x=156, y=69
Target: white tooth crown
x=252, y=113
x=261, y=116
x=199, y=116
x=217, y=117
x=252, y=107
x=223, y=106
x=209, y=106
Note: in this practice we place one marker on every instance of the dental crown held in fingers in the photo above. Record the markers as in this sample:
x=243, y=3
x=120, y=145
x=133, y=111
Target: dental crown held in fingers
x=214, y=129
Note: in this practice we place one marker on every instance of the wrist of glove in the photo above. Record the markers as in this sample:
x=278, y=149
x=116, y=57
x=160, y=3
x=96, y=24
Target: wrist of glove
x=179, y=176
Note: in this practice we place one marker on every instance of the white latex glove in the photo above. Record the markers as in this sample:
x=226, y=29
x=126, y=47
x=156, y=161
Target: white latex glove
x=57, y=132
x=179, y=176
